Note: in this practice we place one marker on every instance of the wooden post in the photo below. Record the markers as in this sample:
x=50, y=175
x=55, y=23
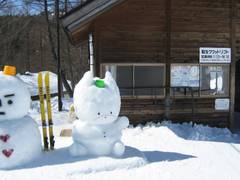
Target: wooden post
x=232, y=42
x=168, y=57
x=97, y=46
x=58, y=58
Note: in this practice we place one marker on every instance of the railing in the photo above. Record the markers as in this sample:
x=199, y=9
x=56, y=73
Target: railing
x=153, y=93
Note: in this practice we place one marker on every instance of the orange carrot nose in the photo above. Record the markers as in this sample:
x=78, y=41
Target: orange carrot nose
x=9, y=70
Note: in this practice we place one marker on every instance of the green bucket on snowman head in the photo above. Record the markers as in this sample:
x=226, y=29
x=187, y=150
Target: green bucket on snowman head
x=100, y=83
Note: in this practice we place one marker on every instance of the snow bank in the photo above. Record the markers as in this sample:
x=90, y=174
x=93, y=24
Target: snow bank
x=31, y=80
x=201, y=132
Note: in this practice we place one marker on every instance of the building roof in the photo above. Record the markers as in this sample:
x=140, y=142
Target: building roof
x=86, y=12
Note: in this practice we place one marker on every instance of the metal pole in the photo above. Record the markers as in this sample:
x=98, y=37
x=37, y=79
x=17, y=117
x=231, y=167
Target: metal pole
x=58, y=57
x=91, y=53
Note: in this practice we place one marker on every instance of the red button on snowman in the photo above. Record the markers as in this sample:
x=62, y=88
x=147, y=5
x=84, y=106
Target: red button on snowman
x=20, y=140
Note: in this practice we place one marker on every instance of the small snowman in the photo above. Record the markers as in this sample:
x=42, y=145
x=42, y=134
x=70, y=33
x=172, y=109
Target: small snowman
x=20, y=140
x=98, y=129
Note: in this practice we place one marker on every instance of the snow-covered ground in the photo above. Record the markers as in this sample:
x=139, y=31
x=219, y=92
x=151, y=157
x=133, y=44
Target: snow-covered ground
x=156, y=151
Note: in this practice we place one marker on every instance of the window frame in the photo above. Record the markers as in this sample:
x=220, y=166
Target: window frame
x=217, y=95
x=133, y=96
x=200, y=95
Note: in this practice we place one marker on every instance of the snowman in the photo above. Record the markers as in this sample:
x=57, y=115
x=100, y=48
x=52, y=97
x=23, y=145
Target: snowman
x=20, y=140
x=98, y=129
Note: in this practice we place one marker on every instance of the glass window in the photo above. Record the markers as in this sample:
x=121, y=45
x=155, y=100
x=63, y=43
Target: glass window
x=215, y=80
x=150, y=80
x=123, y=76
x=138, y=80
x=124, y=79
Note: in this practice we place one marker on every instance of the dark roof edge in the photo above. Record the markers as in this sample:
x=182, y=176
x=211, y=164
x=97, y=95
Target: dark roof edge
x=77, y=8
x=109, y=4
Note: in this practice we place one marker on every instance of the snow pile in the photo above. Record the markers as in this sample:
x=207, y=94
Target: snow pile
x=31, y=81
x=202, y=133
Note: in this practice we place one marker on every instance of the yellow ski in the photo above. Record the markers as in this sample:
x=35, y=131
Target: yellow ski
x=42, y=108
x=49, y=111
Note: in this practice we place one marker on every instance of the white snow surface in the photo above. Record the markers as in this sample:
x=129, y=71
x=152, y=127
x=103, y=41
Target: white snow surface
x=30, y=79
x=156, y=151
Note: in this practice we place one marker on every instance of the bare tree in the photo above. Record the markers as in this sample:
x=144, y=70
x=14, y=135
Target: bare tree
x=28, y=37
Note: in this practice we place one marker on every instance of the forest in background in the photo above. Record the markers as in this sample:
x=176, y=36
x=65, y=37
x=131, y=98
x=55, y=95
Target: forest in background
x=28, y=38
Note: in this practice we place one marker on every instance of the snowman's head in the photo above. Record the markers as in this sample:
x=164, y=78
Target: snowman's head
x=14, y=98
x=97, y=101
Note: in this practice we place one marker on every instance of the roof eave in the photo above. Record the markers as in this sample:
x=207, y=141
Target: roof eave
x=87, y=13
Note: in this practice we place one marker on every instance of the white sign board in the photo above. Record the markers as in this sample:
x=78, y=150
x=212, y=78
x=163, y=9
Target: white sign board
x=215, y=55
x=182, y=75
x=222, y=104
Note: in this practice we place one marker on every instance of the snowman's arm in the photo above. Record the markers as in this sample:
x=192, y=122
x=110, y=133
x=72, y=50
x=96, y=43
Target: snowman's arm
x=122, y=122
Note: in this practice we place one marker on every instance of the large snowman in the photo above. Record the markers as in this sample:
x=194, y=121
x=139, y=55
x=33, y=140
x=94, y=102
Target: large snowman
x=20, y=140
x=99, y=129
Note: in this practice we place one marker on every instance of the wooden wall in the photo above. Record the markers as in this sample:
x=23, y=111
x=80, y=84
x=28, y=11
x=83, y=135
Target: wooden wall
x=164, y=31
x=238, y=30
x=198, y=23
x=133, y=32
x=237, y=83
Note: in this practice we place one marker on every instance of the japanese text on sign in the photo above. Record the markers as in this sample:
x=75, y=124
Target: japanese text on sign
x=215, y=55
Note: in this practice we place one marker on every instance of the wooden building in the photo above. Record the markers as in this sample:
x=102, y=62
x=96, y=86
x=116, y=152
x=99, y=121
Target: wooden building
x=172, y=59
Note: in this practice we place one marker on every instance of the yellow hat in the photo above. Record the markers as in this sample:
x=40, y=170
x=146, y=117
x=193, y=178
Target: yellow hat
x=10, y=70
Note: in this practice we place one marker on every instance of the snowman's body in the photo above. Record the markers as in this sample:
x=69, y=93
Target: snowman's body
x=99, y=129
x=20, y=140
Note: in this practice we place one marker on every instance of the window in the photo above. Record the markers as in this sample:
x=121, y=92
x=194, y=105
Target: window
x=215, y=80
x=138, y=79
x=149, y=80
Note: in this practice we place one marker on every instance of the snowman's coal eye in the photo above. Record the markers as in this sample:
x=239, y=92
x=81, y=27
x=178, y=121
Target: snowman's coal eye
x=10, y=102
x=8, y=96
x=111, y=112
x=99, y=113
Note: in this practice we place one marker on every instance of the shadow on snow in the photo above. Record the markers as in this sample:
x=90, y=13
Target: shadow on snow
x=62, y=156
x=158, y=156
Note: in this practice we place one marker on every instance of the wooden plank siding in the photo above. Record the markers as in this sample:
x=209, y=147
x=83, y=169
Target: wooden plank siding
x=167, y=31
x=137, y=32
